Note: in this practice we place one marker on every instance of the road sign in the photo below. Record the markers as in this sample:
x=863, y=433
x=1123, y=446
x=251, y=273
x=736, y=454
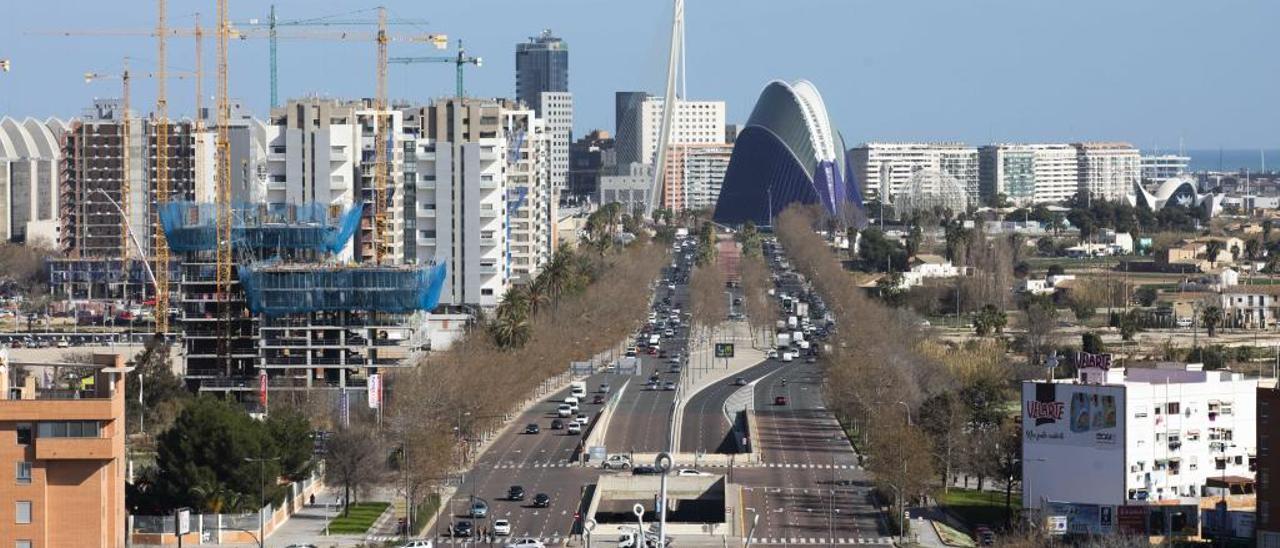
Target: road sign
x=724, y=350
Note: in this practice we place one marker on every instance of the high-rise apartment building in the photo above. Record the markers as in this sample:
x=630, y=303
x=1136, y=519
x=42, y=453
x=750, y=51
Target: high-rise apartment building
x=542, y=65
x=694, y=123
x=694, y=175
x=557, y=114
x=531, y=197
x=889, y=166
x=1162, y=167
x=94, y=160
x=1108, y=170
x=627, y=109
x=1028, y=173
x=30, y=152
x=64, y=475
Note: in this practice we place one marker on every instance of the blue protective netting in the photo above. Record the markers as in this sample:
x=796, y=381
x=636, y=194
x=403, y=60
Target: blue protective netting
x=190, y=226
x=274, y=289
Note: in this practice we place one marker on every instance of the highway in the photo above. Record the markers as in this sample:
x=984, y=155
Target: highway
x=705, y=427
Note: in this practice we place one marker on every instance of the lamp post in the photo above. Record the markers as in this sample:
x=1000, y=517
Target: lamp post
x=262, y=495
x=908, y=408
x=755, y=520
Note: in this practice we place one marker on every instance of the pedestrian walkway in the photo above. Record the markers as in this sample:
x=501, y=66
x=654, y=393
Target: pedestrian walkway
x=887, y=541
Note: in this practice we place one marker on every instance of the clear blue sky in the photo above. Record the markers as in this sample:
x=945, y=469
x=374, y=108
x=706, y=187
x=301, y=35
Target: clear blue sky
x=1146, y=71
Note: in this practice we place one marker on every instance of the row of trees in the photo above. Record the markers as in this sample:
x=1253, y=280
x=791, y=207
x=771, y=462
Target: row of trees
x=454, y=396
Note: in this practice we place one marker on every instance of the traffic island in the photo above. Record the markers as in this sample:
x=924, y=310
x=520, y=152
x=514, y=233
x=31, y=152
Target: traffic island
x=700, y=507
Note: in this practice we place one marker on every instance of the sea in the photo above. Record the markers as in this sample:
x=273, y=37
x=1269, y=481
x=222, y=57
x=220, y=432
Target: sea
x=1234, y=160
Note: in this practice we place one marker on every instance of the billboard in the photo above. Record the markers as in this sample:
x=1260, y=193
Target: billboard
x=1073, y=447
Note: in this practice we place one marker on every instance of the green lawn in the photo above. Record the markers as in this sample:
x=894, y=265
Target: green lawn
x=359, y=518
x=978, y=507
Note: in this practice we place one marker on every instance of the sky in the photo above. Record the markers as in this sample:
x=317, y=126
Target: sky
x=1151, y=72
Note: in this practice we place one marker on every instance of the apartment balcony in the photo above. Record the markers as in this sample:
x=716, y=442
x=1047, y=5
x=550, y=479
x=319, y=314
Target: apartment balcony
x=73, y=449
x=488, y=184
x=488, y=212
x=488, y=241
x=488, y=270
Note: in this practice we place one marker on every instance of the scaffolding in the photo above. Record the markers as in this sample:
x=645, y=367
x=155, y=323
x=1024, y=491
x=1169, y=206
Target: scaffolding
x=275, y=289
x=192, y=227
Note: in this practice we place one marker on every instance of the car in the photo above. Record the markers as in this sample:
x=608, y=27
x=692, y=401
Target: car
x=811, y=359
x=644, y=470
x=671, y=287
x=771, y=354
x=652, y=350
x=564, y=410
x=604, y=388
x=557, y=424
x=531, y=429
x=418, y=544
x=662, y=352
x=740, y=381
x=669, y=333
x=582, y=419
x=669, y=386
x=461, y=529
x=574, y=428
x=479, y=509
x=63, y=343
x=779, y=400
x=302, y=546
x=619, y=462
x=541, y=500
x=689, y=472
x=651, y=385
x=631, y=351
x=597, y=399
x=515, y=492
x=501, y=527
x=526, y=543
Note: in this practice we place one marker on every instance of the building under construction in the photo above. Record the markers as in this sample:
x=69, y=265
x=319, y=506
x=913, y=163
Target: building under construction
x=293, y=310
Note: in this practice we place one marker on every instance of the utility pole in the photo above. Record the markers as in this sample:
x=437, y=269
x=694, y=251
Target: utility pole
x=262, y=495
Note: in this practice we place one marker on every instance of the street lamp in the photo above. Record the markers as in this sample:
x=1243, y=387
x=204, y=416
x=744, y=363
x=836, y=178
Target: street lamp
x=908, y=408
x=262, y=495
x=755, y=520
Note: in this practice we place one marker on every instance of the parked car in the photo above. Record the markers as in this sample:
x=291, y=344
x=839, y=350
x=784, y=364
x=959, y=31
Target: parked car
x=515, y=492
x=531, y=429
x=501, y=527
x=541, y=500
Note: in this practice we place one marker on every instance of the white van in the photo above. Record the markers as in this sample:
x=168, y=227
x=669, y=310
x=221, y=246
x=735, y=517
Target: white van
x=578, y=389
x=572, y=402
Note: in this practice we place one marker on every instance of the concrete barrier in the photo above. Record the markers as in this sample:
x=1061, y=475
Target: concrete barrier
x=600, y=426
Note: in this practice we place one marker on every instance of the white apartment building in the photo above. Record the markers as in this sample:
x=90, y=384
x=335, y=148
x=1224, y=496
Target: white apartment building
x=557, y=115
x=1108, y=170
x=891, y=165
x=1162, y=167
x=460, y=190
x=531, y=197
x=697, y=173
x=1028, y=173
x=322, y=151
x=1118, y=436
x=693, y=123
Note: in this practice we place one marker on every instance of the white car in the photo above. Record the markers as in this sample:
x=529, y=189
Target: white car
x=689, y=472
x=582, y=419
x=574, y=428
x=418, y=544
x=526, y=543
x=501, y=527
x=622, y=462
x=564, y=410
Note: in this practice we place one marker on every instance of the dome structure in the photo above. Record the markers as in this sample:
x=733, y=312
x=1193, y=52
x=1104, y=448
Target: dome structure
x=788, y=152
x=1176, y=191
x=927, y=190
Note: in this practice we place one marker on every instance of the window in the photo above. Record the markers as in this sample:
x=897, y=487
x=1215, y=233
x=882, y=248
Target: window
x=68, y=429
x=23, y=512
x=23, y=472
x=1172, y=408
x=22, y=544
x=24, y=433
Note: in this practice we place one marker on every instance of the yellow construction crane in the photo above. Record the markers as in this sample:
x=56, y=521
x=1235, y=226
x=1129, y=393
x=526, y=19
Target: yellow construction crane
x=223, y=188
x=161, y=270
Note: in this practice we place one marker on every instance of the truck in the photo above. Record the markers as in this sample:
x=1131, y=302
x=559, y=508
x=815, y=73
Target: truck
x=802, y=309
x=784, y=341
x=797, y=336
x=578, y=389
x=792, y=322
x=653, y=339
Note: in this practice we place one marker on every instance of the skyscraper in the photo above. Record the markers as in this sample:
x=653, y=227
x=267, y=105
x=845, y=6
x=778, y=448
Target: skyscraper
x=542, y=65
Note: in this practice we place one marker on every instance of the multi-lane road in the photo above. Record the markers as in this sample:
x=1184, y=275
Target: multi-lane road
x=807, y=489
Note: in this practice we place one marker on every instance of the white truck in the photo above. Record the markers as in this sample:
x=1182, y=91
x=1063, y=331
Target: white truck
x=792, y=322
x=578, y=389
x=784, y=341
x=802, y=309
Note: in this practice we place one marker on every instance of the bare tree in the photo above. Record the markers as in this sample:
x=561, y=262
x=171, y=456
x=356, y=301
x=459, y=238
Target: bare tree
x=354, y=459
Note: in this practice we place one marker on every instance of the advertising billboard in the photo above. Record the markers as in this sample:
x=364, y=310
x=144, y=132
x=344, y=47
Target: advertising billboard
x=1073, y=446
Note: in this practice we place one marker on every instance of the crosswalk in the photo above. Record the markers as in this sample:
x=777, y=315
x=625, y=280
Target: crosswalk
x=823, y=541
x=522, y=465
x=568, y=464
x=549, y=541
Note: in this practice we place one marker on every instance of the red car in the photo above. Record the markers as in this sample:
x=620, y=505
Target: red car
x=651, y=350
x=779, y=400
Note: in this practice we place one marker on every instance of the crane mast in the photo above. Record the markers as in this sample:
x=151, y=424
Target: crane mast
x=380, y=247
x=223, y=189
x=161, y=270
x=125, y=157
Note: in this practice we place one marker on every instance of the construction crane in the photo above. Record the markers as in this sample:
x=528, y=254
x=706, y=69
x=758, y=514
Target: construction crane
x=222, y=179
x=461, y=60
x=162, y=172
x=273, y=24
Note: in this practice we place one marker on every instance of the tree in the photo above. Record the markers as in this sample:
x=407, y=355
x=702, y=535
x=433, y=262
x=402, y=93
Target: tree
x=1211, y=317
x=1008, y=462
x=913, y=241
x=1266, y=230
x=292, y=434
x=201, y=460
x=1091, y=343
x=1042, y=324
x=890, y=288
x=353, y=460
x=903, y=459
x=1211, y=250
x=1056, y=270
x=944, y=417
x=880, y=254
x=163, y=393
x=990, y=320
x=1129, y=325
x=1252, y=249
x=1146, y=295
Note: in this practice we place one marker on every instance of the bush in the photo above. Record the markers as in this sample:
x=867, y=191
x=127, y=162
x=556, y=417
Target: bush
x=1092, y=343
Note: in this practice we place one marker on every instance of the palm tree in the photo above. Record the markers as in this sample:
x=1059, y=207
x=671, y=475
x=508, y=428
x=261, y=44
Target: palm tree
x=1211, y=250
x=1211, y=317
x=510, y=328
x=558, y=275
